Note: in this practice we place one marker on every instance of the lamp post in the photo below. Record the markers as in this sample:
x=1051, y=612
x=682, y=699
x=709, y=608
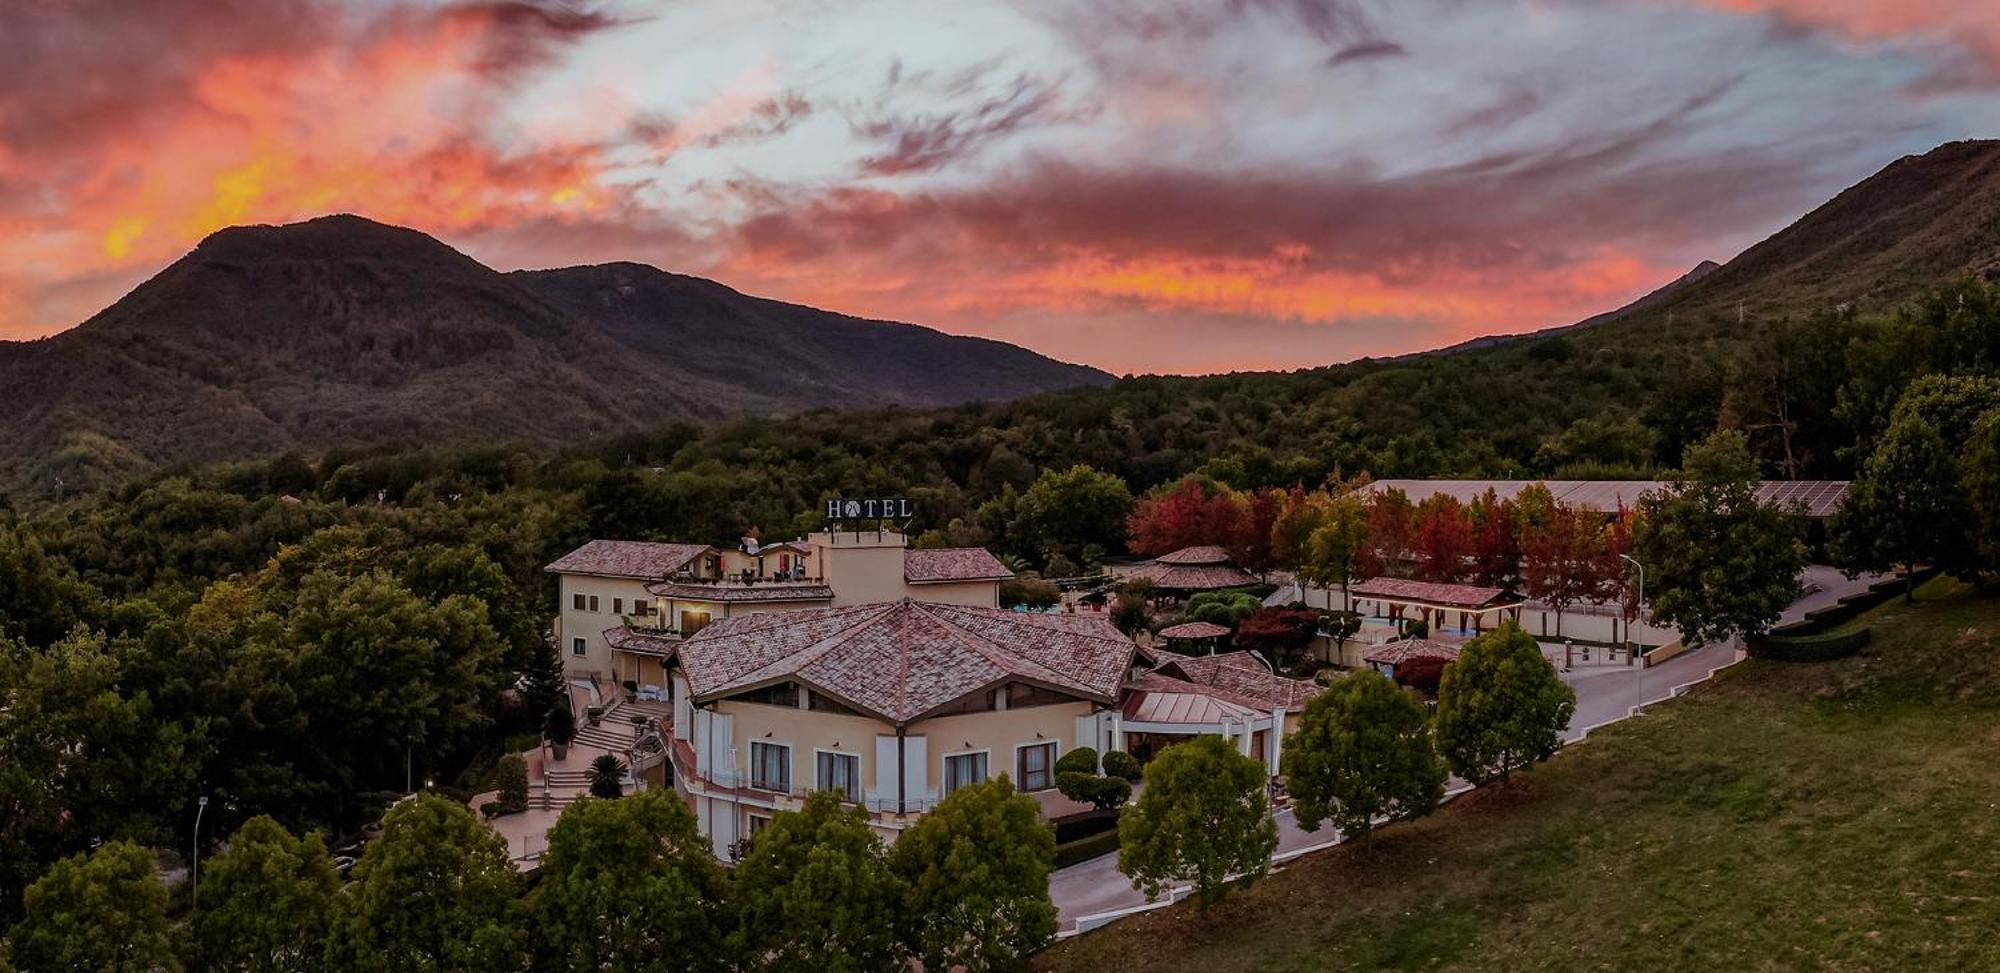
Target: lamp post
x=194, y=859
x=1639, y=608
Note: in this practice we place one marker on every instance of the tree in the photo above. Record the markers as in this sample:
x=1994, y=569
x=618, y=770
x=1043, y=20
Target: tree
x=1203, y=818
x=631, y=885
x=1443, y=539
x=1280, y=633
x=1362, y=751
x=1249, y=540
x=1718, y=563
x=1500, y=706
x=1030, y=591
x=1387, y=551
x=1065, y=512
x=975, y=871
x=1225, y=608
x=1496, y=547
x=511, y=780
x=1563, y=559
x=1190, y=512
x=1908, y=507
x=1423, y=673
x=815, y=893
x=1981, y=470
x=1338, y=547
x=434, y=892
x=265, y=901
x=1077, y=778
x=103, y=911
x=607, y=777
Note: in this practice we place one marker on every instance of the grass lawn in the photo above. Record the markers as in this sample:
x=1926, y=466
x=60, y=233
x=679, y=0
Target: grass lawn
x=1830, y=816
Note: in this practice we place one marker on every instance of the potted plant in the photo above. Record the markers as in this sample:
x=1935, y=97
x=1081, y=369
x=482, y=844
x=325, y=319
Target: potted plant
x=595, y=714
x=631, y=687
x=560, y=728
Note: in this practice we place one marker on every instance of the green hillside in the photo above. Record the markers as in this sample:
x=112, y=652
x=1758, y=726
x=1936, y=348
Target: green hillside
x=1833, y=816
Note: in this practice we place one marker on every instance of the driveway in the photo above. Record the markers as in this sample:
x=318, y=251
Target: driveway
x=1603, y=694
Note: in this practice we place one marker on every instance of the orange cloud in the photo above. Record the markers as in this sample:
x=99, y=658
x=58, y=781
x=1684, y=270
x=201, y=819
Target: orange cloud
x=1972, y=24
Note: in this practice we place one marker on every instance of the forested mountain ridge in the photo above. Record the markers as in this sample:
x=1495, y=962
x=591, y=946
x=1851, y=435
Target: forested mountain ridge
x=341, y=331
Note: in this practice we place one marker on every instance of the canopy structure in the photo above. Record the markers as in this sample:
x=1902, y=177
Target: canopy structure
x=1193, y=631
x=1477, y=607
x=1194, y=569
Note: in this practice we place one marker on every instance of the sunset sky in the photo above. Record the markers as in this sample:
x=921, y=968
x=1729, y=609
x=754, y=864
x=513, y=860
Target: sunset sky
x=1177, y=185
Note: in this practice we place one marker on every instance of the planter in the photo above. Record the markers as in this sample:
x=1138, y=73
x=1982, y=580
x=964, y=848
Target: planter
x=561, y=750
x=594, y=714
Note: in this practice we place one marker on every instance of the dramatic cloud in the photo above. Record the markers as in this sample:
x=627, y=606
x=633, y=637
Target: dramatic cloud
x=1186, y=185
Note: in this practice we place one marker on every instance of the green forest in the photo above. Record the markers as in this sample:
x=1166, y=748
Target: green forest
x=308, y=637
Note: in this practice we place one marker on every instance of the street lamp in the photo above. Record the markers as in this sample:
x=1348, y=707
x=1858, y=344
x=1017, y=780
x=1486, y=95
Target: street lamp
x=1638, y=608
x=194, y=859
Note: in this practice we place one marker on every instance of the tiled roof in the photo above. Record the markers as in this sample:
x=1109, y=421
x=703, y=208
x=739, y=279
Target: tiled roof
x=1244, y=678
x=627, y=559
x=738, y=592
x=1207, y=554
x=926, y=566
x=1391, y=653
x=1463, y=596
x=625, y=639
x=902, y=659
x=1160, y=698
x=1193, y=577
x=1193, y=630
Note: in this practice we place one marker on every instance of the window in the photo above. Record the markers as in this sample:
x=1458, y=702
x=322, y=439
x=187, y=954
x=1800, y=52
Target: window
x=1020, y=695
x=771, y=767
x=961, y=769
x=617, y=606
x=1037, y=766
x=576, y=601
x=777, y=694
x=593, y=602
x=827, y=704
x=841, y=774
x=577, y=647
x=641, y=607
x=759, y=822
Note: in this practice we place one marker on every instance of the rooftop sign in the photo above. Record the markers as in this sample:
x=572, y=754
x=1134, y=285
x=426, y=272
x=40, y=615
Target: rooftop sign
x=869, y=508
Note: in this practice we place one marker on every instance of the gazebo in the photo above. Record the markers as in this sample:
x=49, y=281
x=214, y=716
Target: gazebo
x=1192, y=569
x=1385, y=656
x=1478, y=608
x=1197, y=632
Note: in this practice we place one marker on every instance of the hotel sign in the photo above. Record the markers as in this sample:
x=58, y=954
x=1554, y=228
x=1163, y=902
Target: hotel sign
x=869, y=508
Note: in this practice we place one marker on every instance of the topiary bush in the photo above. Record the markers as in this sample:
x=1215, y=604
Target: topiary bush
x=1807, y=648
x=1118, y=763
x=511, y=777
x=1103, y=793
x=1082, y=760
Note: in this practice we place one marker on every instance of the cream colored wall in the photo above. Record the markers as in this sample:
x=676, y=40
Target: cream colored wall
x=862, y=567
x=998, y=731
x=978, y=594
x=590, y=625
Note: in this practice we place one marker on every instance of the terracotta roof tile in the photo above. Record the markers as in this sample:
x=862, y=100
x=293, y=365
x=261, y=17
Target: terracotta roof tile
x=1193, y=577
x=903, y=659
x=738, y=592
x=627, y=559
x=1391, y=653
x=1446, y=595
x=1243, y=678
x=1205, y=554
x=925, y=566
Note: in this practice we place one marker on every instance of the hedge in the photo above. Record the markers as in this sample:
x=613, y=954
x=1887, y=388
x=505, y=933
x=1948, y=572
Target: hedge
x=1085, y=849
x=1852, y=606
x=1807, y=648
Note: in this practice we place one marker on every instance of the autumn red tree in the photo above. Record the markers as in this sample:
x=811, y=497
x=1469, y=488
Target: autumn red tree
x=1442, y=539
x=1187, y=514
x=1387, y=553
x=1280, y=633
x=1299, y=515
x=1250, y=542
x=1496, y=545
x=1615, y=578
x=1422, y=673
x=1563, y=559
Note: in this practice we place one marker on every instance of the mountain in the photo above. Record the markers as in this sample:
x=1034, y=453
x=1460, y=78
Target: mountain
x=341, y=331
x=1655, y=298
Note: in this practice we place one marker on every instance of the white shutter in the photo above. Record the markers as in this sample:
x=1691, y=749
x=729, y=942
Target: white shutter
x=885, y=769
x=916, y=759
x=702, y=764
x=1087, y=733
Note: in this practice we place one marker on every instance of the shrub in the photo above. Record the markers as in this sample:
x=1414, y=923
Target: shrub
x=1118, y=763
x=1081, y=760
x=1029, y=591
x=1103, y=793
x=1807, y=648
x=1423, y=673
x=1129, y=614
x=512, y=779
x=607, y=777
x=1084, y=849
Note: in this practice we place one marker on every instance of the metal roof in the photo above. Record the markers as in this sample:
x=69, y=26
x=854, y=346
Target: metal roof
x=1820, y=497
